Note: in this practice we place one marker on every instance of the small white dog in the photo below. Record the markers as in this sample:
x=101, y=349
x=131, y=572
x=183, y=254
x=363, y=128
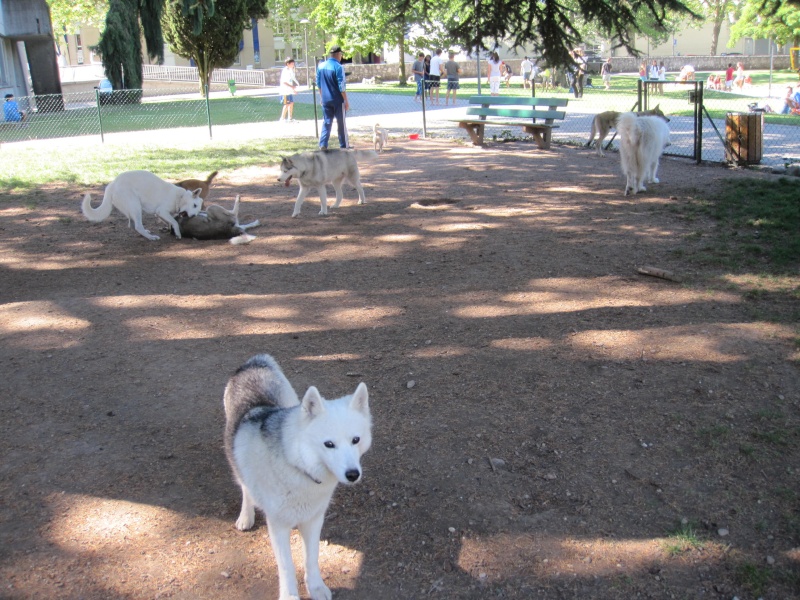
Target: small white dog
x=380, y=137
x=368, y=81
x=288, y=457
x=642, y=140
x=135, y=192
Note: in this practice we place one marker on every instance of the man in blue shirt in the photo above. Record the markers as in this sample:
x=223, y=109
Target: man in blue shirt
x=11, y=111
x=331, y=84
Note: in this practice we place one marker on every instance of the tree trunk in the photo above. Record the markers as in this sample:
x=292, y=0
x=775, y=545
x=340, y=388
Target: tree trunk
x=401, y=44
x=715, y=34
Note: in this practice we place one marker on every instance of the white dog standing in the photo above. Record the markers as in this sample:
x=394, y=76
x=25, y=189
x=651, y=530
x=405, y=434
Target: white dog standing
x=642, y=140
x=288, y=457
x=321, y=167
x=135, y=192
x=380, y=137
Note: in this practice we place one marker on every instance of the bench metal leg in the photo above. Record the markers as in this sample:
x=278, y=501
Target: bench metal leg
x=475, y=131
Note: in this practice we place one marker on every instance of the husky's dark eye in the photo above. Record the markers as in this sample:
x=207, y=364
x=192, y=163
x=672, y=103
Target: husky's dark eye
x=356, y=440
x=330, y=444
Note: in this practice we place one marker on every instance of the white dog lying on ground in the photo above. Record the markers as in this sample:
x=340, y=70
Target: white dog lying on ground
x=642, y=140
x=135, y=192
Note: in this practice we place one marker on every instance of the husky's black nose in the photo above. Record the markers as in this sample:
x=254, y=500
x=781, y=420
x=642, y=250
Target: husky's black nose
x=352, y=475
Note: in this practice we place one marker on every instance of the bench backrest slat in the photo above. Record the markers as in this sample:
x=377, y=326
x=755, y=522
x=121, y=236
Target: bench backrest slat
x=517, y=101
x=518, y=113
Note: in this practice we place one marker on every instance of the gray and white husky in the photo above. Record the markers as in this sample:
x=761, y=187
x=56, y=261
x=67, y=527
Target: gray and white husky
x=288, y=456
x=322, y=167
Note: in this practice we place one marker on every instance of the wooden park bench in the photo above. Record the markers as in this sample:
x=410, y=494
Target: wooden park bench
x=536, y=116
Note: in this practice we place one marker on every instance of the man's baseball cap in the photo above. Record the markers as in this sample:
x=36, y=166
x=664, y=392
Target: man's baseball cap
x=334, y=49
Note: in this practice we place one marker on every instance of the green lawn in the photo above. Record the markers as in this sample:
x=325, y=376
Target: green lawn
x=40, y=165
x=149, y=116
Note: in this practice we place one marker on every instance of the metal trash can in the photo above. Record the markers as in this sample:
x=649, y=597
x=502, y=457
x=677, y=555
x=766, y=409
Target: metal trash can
x=232, y=86
x=744, y=138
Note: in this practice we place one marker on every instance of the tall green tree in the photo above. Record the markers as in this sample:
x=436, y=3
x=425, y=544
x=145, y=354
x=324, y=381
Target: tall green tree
x=216, y=45
x=551, y=26
x=68, y=15
x=779, y=21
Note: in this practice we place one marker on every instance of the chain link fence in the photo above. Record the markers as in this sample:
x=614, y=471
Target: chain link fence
x=697, y=116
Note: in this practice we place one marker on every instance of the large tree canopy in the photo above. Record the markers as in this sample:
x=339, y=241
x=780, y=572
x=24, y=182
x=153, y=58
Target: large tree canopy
x=551, y=26
x=217, y=43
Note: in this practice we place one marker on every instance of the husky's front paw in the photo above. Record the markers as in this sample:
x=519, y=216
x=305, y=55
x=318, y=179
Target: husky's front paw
x=246, y=521
x=655, y=180
x=319, y=591
x=295, y=213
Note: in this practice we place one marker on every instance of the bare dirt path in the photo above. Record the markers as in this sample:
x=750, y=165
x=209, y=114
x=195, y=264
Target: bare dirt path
x=566, y=413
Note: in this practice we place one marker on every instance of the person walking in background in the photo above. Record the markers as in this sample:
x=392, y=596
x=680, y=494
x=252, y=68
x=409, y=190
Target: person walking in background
x=436, y=74
x=662, y=77
x=729, y=78
x=452, y=70
x=527, y=68
x=580, y=72
x=418, y=69
x=605, y=73
x=11, y=111
x=493, y=73
x=643, y=71
x=289, y=85
x=652, y=74
x=332, y=91
x=738, y=81
x=507, y=72
x=426, y=76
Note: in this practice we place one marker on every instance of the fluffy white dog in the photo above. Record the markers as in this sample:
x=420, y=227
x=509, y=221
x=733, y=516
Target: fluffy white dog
x=642, y=140
x=135, y=192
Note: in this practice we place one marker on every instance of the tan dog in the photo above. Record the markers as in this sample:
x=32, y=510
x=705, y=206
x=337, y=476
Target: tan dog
x=605, y=121
x=380, y=137
x=193, y=184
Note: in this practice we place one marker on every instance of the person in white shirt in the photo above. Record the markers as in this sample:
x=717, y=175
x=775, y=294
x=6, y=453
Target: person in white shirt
x=662, y=76
x=436, y=74
x=493, y=73
x=527, y=69
x=289, y=85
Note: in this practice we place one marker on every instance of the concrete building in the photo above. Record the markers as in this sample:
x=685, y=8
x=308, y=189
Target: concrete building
x=27, y=50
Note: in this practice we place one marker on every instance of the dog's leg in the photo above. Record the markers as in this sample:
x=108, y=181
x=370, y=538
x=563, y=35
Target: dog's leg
x=247, y=226
x=287, y=578
x=301, y=195
x=247, y=516
x=135, y=215
x=337, y=186
x=323, y=200
x=310, y=531
x=165, y=216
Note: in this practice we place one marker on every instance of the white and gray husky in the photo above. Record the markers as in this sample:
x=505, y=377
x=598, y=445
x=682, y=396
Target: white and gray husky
x=135, y=192
x=288, y=456
x=322, y=167
x=641, y=142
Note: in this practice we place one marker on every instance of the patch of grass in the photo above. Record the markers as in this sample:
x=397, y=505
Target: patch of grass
x=93, y=165
x=753, y=577
x=714, y=435
x=683, y=539
x=759, y=223
x=776, y=437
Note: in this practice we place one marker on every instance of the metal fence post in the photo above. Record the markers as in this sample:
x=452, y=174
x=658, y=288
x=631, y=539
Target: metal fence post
x=639, y=94
x=698, y=122
x=424, y=91
x=208, y=113
x=99, y=115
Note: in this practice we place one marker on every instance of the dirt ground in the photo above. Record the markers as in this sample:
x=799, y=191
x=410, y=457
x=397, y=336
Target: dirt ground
x=548, y=423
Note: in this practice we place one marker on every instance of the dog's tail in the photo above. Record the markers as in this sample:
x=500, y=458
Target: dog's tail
x=365, y=154
x=102, y=212
x=244, y=238
x=210, y=178
x=628, y=129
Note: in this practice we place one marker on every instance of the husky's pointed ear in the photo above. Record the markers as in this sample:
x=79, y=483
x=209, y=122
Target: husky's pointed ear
x=313, y=404
x=656, y=107
x=360, y=399
x=196, y=193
